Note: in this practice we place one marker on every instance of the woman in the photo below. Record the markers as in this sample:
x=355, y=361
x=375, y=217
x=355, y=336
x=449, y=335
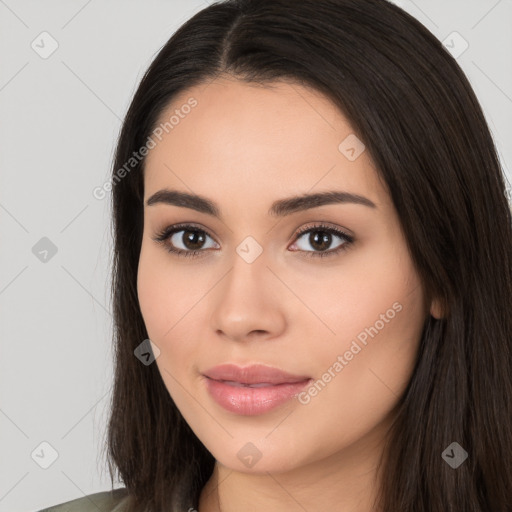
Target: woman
x=312, y=271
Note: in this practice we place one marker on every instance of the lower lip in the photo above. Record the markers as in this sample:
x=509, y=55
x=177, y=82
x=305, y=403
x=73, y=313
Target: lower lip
x=252, y=401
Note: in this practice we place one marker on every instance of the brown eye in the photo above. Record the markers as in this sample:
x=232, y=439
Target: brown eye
x=191, y=239
x=184, y=240
x=320, y=238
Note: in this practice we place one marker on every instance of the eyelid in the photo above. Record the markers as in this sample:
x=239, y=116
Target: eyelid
x=183, y=226
x=297, y=232
x=325, y=225
x=163, y=235
x=348, y=239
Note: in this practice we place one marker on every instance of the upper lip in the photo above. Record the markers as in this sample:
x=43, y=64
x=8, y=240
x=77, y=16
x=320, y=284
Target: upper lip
x=253, y=374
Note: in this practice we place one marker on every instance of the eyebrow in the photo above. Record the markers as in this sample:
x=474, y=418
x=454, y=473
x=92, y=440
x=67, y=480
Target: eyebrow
x=279, y=208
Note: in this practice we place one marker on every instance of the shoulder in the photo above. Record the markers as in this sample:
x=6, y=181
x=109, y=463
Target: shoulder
x=105, y=501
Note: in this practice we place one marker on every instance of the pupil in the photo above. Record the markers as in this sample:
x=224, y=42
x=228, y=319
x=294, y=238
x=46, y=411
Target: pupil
x=318, y=239
x=323, y=240
x=193, y=238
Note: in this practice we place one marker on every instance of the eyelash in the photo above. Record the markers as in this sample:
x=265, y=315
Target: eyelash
x=167, y=232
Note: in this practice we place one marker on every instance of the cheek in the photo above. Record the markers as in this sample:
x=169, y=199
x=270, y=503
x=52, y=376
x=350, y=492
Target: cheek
x=363, y=373
x=168, y=305
x=161, y=298
x=382, y=302
x=376, y=314
x=160, y=305
x=150, y=287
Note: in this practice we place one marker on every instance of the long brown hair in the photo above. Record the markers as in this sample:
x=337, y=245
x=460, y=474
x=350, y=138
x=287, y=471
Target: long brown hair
x=410, y=103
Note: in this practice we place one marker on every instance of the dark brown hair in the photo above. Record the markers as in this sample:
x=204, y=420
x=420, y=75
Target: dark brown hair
x=410, y=103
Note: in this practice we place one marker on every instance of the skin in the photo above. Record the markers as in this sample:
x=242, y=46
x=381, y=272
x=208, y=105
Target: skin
x=244, y=146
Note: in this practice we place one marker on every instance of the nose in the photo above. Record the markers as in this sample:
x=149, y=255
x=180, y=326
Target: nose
x=249, y=302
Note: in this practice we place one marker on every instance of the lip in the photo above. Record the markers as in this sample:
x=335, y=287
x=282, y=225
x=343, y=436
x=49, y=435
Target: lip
x=253, y=389
x=253, y=374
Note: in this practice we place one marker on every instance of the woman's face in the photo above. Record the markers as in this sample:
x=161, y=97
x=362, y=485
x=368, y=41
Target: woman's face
x=260, y=293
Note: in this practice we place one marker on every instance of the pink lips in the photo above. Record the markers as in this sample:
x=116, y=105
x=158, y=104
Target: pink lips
x=252, y=389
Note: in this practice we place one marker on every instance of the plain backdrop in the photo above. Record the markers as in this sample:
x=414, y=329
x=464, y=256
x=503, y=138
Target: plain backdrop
x=60, y=114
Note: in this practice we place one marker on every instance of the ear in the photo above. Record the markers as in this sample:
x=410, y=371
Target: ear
x=436, y=309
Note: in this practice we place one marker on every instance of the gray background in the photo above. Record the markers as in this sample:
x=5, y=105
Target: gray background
x=60, y=117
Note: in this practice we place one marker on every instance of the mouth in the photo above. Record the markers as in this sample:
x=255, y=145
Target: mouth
x=252, y=399
x=255, y=385
x=256, y=374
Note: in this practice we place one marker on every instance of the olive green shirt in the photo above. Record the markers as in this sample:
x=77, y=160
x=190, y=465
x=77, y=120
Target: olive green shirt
x=106, y=501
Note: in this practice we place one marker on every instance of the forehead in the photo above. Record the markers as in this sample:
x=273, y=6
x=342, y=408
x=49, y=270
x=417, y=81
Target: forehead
x=250, y=140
